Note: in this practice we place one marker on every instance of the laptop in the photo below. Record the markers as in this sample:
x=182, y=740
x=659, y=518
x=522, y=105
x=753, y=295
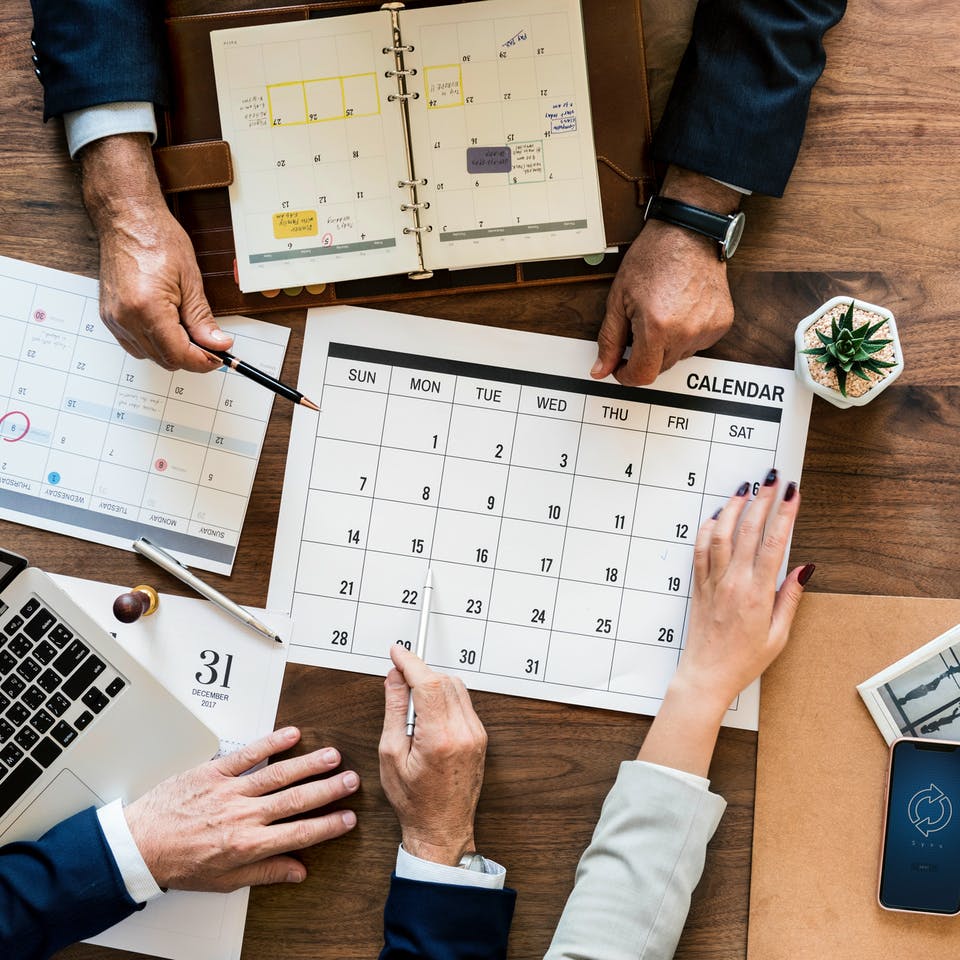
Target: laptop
x=81, y=721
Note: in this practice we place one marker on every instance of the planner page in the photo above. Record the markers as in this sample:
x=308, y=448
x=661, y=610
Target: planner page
x=502, y=133
x=318, y=150
x=557, y=513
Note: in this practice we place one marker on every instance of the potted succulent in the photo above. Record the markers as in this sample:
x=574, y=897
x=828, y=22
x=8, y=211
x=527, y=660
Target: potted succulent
x=848, y=351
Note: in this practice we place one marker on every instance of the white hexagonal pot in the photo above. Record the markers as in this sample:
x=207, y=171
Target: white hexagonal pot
x=802, y=367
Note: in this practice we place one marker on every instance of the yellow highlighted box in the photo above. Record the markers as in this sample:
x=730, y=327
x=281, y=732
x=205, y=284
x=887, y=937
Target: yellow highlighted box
x=294, y=223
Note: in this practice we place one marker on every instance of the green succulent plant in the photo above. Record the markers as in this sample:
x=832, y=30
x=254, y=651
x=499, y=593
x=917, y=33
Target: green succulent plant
x=850, y=349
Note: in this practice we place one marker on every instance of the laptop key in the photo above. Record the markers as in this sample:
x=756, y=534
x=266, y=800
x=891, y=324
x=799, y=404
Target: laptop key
x=4, y=702
x=92, y=667
x=95, y=699
x=40, y=624
x=46, y=751
x=60, y=636
x=116, y=685
x=17, y=714
x=34, y=697
x=7, y=662
x=7, y=730
x=10, y=754
x=58, y=705
x=13, y=625
x=13, y=686
x=49, y=680
x=27, y=737
x=41, y=721
x=83, y=721
x=19, y=646
x=29, y=668
x=67, y=662
x=63, y=733
x=17, y=782
x=30, y=608
x=44, y=652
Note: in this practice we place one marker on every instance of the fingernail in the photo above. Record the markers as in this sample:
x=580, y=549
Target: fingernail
x=220, y=336
x=597, y=368
x=790, y=492
x=771, y=477
x=295, y=876
x=717, y=514
x=330, y=756
x=289, y=733
x=805, y=574
x=742, y=489
x=351, y=781
x=349, y=819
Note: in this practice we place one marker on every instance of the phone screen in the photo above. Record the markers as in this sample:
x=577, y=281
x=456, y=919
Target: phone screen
x=921, y=855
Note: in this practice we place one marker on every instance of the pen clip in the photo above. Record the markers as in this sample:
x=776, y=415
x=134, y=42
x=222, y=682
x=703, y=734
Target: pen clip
x=162, y=552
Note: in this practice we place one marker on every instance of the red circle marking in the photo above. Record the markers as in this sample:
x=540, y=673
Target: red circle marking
x=26, y=425
x=326, y=240
x=39, y=315
x=161, y=464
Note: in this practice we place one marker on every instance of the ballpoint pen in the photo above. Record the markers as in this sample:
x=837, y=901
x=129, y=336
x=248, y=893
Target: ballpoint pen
x=421, y=642
x=176, y=569
x=258, y=376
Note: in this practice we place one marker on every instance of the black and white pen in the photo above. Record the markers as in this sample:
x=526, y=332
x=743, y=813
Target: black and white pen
x=421, y=642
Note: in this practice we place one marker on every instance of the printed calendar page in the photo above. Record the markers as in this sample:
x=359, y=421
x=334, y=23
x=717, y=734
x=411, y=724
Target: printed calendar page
x=558, y=514
x=97, y=445
x=502, y=132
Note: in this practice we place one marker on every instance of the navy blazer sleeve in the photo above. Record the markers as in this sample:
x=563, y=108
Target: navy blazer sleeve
x=739, y=101
x=99, y=51
x=441, y=921
x=60, y=889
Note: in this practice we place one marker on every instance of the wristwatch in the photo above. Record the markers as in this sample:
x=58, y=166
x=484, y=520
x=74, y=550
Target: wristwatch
x=725, y=228
x=472, y=860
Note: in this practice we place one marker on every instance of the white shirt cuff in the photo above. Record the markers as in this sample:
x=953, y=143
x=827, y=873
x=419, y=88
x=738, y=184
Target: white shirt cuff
x=136, y=876
x=413, y=868
x=733, y=186
x=108, y=120
x=693, y=779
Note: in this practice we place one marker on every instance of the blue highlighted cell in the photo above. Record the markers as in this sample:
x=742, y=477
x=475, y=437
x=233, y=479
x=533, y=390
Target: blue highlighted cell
x=53, y=477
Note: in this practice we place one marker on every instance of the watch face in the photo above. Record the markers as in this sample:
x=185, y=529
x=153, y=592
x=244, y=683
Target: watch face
x=734, y=232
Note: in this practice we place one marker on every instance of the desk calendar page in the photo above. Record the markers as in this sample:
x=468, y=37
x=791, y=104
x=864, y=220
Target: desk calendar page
x=97, y=445
x=558, y=514
x=495, y=123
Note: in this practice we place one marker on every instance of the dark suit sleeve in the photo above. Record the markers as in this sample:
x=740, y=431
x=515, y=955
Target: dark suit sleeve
x=440, y=920
x=60, y=889
x=739, y=102
x=98, y=51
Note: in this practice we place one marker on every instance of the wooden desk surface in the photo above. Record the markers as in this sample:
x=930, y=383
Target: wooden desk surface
x=871, y=210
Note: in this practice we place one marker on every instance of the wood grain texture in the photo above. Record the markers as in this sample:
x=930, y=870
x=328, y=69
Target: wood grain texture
x=871, y=210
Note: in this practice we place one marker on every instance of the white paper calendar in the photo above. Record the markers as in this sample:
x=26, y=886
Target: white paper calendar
x=558, y=514
x=97, y=445
x=408, y=141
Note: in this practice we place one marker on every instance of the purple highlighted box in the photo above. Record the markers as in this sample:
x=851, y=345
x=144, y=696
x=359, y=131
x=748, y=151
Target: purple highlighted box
x=489, y=160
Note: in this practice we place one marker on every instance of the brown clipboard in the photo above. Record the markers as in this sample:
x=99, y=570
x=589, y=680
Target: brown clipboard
x=194, y=166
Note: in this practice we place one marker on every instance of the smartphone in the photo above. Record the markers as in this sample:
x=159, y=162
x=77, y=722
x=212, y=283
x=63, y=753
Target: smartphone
x=920, y=862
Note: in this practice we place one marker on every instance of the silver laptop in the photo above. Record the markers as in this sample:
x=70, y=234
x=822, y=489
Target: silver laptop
x=81, y=722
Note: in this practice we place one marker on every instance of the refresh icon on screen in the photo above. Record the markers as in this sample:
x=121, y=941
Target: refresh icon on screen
x=930, y=810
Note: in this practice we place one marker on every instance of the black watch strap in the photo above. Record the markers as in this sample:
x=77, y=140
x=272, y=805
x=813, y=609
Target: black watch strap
x=716, y=226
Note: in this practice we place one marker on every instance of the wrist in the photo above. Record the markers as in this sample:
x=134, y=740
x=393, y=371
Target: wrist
x=700, y=191
x=446, y=852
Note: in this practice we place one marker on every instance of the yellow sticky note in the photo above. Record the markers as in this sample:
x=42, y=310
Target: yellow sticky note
x=295, y=223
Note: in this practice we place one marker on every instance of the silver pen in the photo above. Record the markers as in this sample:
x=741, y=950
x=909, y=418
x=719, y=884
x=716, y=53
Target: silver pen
x=176, y=569
x=421, y=642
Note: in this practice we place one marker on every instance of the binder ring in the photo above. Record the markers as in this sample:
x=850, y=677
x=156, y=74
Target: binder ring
x=412, y=72
x=403, y=46
x=403, y=96
x=415, y=206
x=427, y=229
x=412, y=183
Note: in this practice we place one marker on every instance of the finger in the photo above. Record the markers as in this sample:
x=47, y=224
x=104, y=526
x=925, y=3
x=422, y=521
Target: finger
x=300, y=834
x=612, y=338
x=167, y=343
x=414, y=670
x=197, y=318
x=279, y=775
x=644, y=363
x=234, y=764
x=785, y=606
x=279, y=869
x=774, y=546
x=305, y=797
x=394, y=740
x=722, y=533
x=701, y=550
x=469, y=712
x=751, y=529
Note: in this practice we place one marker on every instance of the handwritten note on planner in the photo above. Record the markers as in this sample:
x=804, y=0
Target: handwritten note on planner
x=97, y=445
x=558, y=514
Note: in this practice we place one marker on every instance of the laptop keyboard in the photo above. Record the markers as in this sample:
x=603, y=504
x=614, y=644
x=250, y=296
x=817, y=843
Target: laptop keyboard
x=52, y=687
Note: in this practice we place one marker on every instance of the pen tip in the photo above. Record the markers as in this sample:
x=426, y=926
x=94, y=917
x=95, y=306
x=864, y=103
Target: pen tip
x=277, y=639
x=309, y=403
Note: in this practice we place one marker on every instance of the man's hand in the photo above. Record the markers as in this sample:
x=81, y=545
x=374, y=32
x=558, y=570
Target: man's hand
x=671, y=289
x=214, y=829
x=151, y=292
x=433, y=778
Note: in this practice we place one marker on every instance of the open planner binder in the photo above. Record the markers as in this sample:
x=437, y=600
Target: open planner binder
x=401, y=151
